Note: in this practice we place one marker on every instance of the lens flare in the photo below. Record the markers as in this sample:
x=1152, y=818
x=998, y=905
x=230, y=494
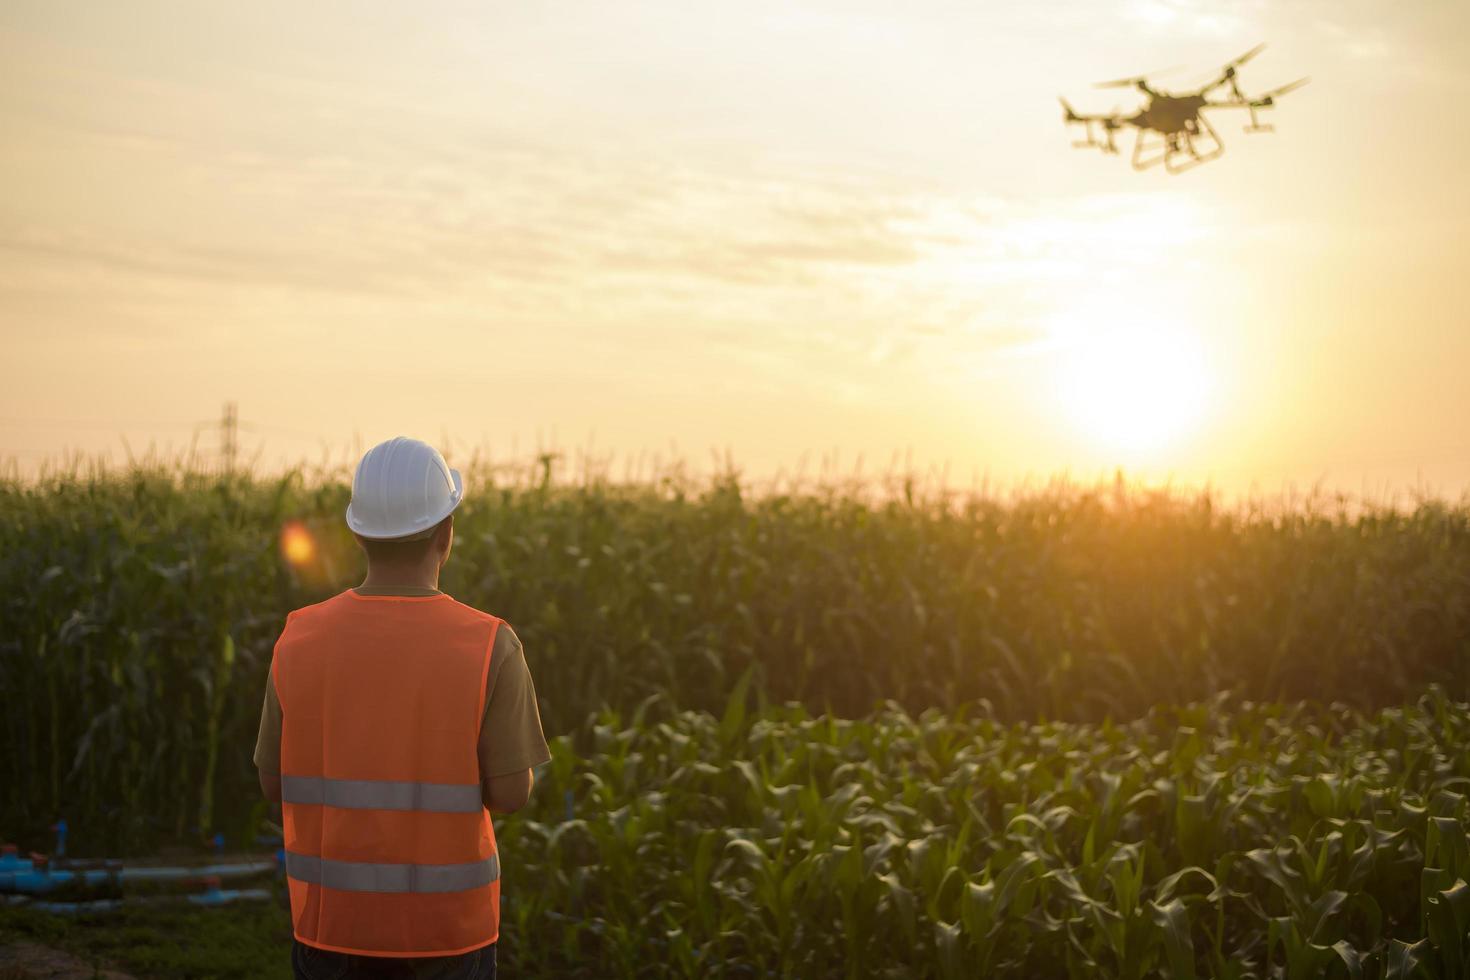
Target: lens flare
x=297, y=544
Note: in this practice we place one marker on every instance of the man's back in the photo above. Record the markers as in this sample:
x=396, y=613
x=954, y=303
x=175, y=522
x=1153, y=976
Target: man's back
x=389, y=851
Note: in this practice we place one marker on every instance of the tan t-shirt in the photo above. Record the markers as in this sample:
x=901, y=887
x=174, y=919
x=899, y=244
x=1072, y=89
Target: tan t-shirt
x=511, y=739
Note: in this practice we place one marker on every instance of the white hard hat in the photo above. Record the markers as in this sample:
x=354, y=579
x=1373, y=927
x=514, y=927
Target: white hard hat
x=402, y=487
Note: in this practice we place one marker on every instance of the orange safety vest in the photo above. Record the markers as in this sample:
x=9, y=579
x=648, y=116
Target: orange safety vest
x=389, y=849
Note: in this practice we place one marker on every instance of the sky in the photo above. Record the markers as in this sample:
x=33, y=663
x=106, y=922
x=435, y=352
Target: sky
x=791, y=235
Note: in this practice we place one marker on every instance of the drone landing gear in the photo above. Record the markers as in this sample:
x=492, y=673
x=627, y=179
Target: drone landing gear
x=1091, y=141
x=1178, y=151
x=1256, y=125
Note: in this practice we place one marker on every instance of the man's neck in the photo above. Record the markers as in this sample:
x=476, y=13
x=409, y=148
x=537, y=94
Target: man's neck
x=400, y=579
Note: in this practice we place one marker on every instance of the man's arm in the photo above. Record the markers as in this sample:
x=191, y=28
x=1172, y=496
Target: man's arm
x=270, y=785
x=511, y=741
x=506, y=794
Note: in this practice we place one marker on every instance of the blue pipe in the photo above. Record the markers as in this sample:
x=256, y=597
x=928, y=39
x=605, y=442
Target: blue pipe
x=19, y=874
x=224, y=896
x=11, y=861
x=32, y=881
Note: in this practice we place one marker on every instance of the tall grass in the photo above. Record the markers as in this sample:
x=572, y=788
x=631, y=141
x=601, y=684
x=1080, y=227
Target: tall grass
x=138, y=611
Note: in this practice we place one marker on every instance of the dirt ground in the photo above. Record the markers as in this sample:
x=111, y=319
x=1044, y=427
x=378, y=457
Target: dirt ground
x=29, y=961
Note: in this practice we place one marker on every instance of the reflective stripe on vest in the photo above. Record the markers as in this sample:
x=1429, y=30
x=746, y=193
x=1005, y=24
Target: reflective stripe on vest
x=378, y=794
x=362, y=876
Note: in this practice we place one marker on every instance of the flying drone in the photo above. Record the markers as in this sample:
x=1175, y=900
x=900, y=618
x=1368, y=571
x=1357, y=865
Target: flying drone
x=1172, y=128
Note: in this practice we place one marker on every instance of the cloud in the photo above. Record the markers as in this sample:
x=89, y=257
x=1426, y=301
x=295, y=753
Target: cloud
x=220, y=199
x=1193, y=16
x=206, y=263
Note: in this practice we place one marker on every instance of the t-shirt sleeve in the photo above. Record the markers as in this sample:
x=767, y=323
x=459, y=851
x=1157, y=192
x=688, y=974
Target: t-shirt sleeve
x=511, y=739
x=268, y=741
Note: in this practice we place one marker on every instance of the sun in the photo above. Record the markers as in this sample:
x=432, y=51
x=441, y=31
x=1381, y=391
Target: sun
x=1135, y=387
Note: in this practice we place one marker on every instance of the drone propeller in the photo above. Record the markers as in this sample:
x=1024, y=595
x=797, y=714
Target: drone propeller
x=1247, y=56
x=1129, y=82
x=1267, y=97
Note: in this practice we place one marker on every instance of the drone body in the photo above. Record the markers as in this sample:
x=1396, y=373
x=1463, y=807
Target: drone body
x=1172, y=128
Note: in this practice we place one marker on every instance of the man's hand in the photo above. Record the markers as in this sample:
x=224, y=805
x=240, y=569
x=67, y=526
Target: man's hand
x=270, y=785
x=507, y=794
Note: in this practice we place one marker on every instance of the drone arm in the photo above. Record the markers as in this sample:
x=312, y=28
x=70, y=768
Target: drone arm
x=1251, y=106
x=1239, y=100
x=1211, y=86
x=1073, y=116
x=1109, y=124
x=1237, y=97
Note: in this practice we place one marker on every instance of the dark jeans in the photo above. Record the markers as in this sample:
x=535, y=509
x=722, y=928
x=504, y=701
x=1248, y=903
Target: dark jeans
x=311, y=963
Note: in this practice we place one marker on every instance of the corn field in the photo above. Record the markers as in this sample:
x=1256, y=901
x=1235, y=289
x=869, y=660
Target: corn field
x=1077, y=732
x=1222, y=839
x=138, y=611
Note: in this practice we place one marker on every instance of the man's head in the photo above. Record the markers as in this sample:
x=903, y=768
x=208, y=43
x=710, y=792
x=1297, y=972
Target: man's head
x=403, y=501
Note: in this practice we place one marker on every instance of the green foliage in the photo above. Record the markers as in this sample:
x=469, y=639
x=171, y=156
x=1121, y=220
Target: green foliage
x=902, y=846
x=138, y=612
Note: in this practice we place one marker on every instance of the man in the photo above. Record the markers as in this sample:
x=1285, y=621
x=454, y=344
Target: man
x=396, y=720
